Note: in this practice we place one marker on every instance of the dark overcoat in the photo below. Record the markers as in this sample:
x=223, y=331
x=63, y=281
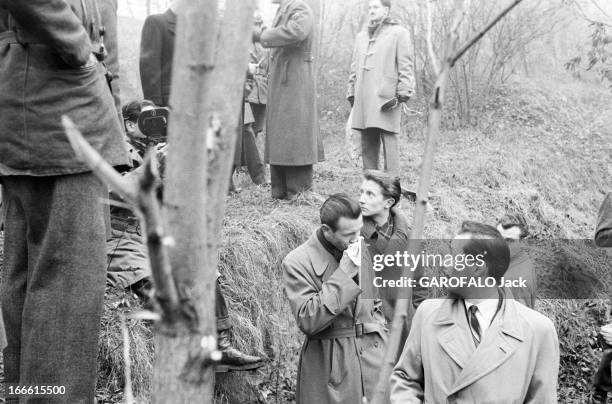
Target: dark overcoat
x=381, y=69
x=336, y=366
x=156, y=53
x=292, y=118
x=46, y=71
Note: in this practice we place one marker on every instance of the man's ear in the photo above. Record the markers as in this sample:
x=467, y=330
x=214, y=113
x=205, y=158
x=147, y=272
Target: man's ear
x=326, y=229
x=389, y=203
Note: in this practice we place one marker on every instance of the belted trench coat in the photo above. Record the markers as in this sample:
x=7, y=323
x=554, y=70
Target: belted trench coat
x=345, y=335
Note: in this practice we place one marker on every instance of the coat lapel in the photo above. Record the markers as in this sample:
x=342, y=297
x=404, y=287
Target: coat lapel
x=499, y=343
x=454, y=339
x=282, y=9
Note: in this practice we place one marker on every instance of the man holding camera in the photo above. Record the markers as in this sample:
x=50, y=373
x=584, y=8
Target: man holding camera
x=54, y=237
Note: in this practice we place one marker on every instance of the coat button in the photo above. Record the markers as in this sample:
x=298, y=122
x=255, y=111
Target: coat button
x=360, y=351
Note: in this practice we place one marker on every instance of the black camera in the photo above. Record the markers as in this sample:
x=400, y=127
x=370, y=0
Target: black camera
x=153, y=123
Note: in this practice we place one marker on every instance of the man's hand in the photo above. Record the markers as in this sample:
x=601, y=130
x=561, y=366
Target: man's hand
x=348, y=266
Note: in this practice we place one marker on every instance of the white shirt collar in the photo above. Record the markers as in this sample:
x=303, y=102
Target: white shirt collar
x=486, y=312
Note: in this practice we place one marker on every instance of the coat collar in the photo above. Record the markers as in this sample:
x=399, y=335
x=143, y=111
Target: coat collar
x=320, y=258
x=401, y=228
x=501, y=340
x=282, y=9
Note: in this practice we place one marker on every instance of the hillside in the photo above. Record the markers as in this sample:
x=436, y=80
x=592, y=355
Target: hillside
x=543, y=148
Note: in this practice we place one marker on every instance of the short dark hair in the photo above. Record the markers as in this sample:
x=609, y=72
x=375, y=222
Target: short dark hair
x=389, y=184
x=132, y=110
x=488, y=243
x=386, y=3
x=514, y=220
x=337, y=206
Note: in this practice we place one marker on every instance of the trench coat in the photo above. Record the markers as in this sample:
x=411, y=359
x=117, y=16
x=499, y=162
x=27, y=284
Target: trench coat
x=292, y=122
x=156, y=53
x=335, y=366
x=516, y=362
x=381, y=69
x=47, y=70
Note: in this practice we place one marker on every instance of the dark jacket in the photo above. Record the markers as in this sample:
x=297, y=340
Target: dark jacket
x=46, y=72
x=156, y=53
x=292, y=124
x=108, y=13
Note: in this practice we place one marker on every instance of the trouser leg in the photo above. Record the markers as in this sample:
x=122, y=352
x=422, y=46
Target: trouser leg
x=62, y=302
x=14, y=279
x=299, y=179
x=391, y=151
x=370, y=148
x=221, y=313
x=278, y=183
x=259, y=114
x=251, y=156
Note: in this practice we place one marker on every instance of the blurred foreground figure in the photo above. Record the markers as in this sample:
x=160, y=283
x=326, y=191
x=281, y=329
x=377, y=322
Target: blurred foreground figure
x=476, y=346
x=602, y=381
x=345, y=335
x=128, y=257
x=381, y=78
x=54, y=236
x=292, y=127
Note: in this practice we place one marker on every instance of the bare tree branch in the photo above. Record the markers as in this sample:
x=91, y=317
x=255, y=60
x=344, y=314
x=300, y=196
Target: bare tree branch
x=432, y=54
x=481, y=33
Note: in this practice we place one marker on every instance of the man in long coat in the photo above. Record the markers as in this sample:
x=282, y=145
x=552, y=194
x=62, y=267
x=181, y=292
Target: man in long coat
x=291, y=118
x=477, y=346
x=54, y=238
x=381, y=71
x=345, y=335
x=156, y=53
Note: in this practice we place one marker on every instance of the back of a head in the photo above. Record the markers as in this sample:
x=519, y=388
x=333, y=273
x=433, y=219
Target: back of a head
x=337, y=206
x=508, y=222
x=390, y=185
x=488, y=242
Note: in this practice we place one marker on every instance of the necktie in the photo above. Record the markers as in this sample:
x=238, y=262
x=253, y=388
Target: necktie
x=474, y=325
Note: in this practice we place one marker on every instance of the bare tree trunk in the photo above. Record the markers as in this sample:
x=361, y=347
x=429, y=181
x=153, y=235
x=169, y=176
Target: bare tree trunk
x=207, y=90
